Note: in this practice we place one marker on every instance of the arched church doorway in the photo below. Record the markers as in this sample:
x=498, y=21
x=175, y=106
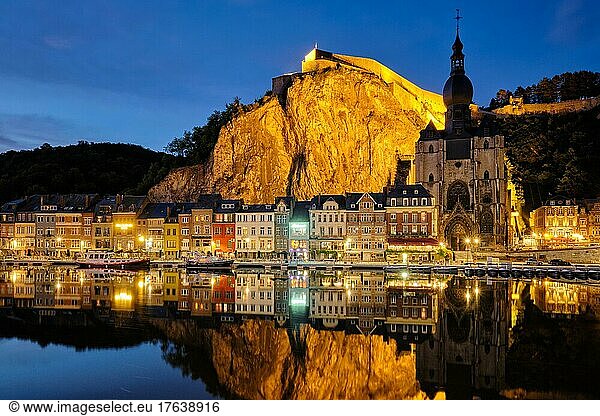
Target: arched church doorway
x=456, y=235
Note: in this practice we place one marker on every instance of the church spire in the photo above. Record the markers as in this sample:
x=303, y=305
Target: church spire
x=457, y=60
x=458, y=90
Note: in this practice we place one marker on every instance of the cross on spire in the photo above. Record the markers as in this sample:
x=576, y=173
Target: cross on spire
x=458, y=17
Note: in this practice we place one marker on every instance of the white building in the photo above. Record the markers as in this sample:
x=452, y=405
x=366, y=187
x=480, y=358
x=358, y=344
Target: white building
x=328, y=300
x=255, y=231
x=254, y=294
x=327, y=226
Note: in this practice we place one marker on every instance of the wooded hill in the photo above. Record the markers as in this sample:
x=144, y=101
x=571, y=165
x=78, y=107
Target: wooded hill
x=103, y=168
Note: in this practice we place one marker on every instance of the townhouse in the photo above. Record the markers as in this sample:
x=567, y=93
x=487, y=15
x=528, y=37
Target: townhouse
x=124, y=216
x=299, y=231
x=202, y=216
x=255, y=231
x=365, y=227
x=327, y=226
x=556, y=223
x=283, y=209
x=223, y=227
x=411, y=221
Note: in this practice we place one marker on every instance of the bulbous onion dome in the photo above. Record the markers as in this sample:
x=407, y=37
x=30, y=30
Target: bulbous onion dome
x=458, y=89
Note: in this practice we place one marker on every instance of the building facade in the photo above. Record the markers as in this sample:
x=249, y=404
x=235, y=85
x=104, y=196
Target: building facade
x=365, y=227
x=327, y=226
x=462, y=166
x=255, y=231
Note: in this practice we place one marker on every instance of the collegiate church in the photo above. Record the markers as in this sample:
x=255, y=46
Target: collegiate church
x=463, y=167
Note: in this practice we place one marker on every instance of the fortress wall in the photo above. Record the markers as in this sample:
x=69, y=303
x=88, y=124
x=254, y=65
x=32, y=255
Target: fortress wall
x=429, y=103
x=563, y=107
x=390, y=76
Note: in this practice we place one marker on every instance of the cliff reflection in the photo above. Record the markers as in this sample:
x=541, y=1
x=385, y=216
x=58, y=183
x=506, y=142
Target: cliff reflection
x=256, y=360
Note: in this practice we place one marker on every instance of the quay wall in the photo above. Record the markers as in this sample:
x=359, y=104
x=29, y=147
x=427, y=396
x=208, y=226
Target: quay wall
x=589, y=255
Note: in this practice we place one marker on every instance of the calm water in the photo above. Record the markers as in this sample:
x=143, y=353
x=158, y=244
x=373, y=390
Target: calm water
x=72, y=334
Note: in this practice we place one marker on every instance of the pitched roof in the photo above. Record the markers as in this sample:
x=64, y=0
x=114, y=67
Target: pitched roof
x=226, y=206
x=353, y=198
x=318, y=201
x=157, y=210
x=407, y=191
x=257, y=208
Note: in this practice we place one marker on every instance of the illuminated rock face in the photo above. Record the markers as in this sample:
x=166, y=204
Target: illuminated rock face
x=338, y=130
x=255, y=360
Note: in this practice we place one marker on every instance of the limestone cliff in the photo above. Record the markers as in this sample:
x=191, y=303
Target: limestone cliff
x=255, y=360
x=336, y=129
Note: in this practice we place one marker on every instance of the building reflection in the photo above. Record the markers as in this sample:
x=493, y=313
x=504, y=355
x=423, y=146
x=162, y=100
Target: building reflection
x=466, y=353
x=457, y=330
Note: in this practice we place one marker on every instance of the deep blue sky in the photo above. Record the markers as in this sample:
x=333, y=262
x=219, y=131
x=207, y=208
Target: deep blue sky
x=143, y=71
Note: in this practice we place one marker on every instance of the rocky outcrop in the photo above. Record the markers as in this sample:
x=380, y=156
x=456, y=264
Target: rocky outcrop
x=255, y=360
x=337, y=129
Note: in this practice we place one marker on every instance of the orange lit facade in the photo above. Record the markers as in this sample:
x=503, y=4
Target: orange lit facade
x=223, y=227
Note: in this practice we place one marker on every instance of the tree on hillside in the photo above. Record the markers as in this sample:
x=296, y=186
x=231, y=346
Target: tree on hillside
x=563, y=87
x=502, y=99
x=197, y=145
x=554, y=154
x=104, y=168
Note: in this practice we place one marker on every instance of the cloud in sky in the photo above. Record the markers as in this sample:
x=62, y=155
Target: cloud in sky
x=24, y=131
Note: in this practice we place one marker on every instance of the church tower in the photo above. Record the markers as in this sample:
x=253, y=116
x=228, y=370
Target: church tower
x=463, y=167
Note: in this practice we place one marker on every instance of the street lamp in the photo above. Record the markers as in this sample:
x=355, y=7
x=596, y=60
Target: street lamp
x=58, y=245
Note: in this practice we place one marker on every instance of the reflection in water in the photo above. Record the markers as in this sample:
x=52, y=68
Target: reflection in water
x=323, y=334
x=468, y=351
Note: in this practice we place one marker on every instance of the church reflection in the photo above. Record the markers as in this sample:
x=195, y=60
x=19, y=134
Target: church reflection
x=467, y=352
x=406, y=335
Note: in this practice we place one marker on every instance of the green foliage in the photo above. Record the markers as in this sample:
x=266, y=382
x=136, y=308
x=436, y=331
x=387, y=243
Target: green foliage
x=502, y=99
x=197, y=145
x=554, y=154
x=563, y=87
x=104, y=168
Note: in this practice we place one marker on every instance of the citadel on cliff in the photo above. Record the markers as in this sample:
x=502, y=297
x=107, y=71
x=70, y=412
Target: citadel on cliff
x=447, y=190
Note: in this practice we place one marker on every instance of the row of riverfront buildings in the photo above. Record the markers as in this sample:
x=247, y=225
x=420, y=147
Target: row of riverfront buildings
x=370, y=226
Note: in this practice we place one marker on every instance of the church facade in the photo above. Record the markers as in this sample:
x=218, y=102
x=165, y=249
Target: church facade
x=463, y=168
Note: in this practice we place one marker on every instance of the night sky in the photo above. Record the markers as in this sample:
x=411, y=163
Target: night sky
x=144, y=71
